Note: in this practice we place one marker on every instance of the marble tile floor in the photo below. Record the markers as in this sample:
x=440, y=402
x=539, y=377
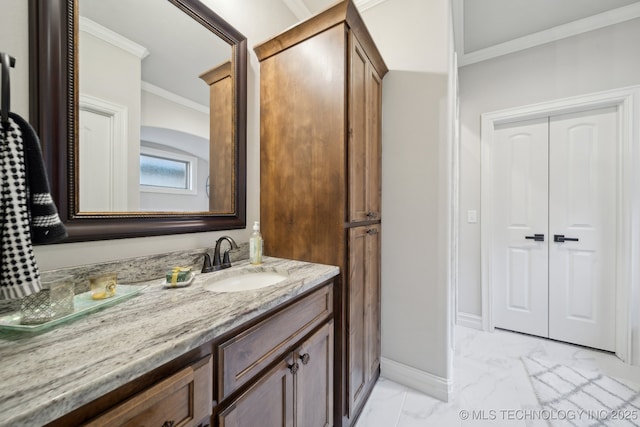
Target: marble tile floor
x=490, y=383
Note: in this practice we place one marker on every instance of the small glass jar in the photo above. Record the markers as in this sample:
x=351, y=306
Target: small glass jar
x=53, y=301
x=103, y=286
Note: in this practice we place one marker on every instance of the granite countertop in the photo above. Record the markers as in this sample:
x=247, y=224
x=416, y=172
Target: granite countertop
x=45, y=376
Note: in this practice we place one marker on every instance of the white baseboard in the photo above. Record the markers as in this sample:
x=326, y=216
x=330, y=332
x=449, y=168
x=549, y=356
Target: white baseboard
x=430, y=384
x=472, y=321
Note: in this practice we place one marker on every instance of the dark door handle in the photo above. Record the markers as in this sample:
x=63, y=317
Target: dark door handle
x=536, y=237
x=559, y=238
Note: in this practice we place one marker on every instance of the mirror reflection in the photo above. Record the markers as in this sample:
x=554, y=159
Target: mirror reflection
x=155, y=111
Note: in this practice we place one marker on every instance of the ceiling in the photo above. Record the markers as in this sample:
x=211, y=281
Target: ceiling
x=490, y=22
x=483, y=29
x=488, y=28
x=170, y=62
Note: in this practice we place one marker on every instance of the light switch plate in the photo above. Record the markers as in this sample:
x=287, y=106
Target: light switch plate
x=472, y=217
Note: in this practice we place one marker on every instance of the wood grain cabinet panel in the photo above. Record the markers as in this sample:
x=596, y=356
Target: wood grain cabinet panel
x=314, y=379
x=364, y=310
x=320, y=171
x=296, y=392
x=374, y=141
x=242, y=357
x=365, y=100
x=181, y=400
x=269, y=402
x=221, y=139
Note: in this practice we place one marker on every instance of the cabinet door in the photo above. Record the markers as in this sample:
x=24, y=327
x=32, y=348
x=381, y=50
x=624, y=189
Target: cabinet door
x=365, y=95
x=372, y=301
x=314, y=380
x=356, y=306
x=358, y=208
x=269, y=403
x=221, y=141
x=245, y=355
x=364, y=311
x=374, y=143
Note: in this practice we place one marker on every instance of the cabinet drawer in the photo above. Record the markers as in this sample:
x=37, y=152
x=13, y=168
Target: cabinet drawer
x=246, y=354
x=181, y=400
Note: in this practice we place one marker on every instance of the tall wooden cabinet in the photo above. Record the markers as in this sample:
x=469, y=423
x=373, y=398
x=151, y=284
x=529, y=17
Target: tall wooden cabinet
x=320, y=170
x=221, y=138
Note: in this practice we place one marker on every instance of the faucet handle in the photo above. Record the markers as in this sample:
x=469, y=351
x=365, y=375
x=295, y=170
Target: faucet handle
x=226, y=261
x=207, y=267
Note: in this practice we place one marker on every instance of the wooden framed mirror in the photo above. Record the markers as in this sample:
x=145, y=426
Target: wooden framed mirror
x=59, y=97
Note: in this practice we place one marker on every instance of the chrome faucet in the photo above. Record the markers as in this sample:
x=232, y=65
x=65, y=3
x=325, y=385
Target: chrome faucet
x=217, y=263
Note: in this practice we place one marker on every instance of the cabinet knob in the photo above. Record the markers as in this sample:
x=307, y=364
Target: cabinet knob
x=372, y=231
x=371, y=214
x=294, y=367
x=168, y=424
x=305, y=358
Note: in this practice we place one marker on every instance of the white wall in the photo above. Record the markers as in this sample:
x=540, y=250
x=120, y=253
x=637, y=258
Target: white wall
x=15, y=41
x=595, y=61
x=112, y=74
x=160, y=112
x=411, y=34
x=410, y=214
x=414, y=38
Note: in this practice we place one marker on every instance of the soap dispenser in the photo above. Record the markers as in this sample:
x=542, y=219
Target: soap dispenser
x=255, y=245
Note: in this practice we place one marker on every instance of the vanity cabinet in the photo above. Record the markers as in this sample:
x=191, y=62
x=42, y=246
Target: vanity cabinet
x=320, y=176
x=279, y=372
x=181, y=400
x=247, y=353
x=177, y=394
x=297, y=391
x=274, y=370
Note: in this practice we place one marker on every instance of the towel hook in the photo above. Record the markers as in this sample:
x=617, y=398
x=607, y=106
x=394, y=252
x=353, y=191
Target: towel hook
x=7, y=62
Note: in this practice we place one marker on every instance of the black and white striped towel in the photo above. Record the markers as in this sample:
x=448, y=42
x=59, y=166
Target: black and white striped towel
x=28, y=213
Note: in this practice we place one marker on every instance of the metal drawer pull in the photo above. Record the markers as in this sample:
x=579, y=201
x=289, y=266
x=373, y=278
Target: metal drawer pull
x=536, y=237
x=559, y=238
x=294, y=367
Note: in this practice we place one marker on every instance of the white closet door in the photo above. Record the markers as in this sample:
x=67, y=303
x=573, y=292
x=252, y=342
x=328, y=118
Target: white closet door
x=519, y=264
x=582, y=200
x=95, y=160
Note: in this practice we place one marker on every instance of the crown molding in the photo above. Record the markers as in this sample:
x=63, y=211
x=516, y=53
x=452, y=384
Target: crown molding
x=611, y=17
x=113, y=38
x=163, y=93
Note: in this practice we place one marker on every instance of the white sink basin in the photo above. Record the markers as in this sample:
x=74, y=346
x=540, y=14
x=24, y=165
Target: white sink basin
x=244, y=281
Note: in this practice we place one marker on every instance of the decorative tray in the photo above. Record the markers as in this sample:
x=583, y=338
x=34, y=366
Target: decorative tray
x=182, y=284
x=83, y=304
